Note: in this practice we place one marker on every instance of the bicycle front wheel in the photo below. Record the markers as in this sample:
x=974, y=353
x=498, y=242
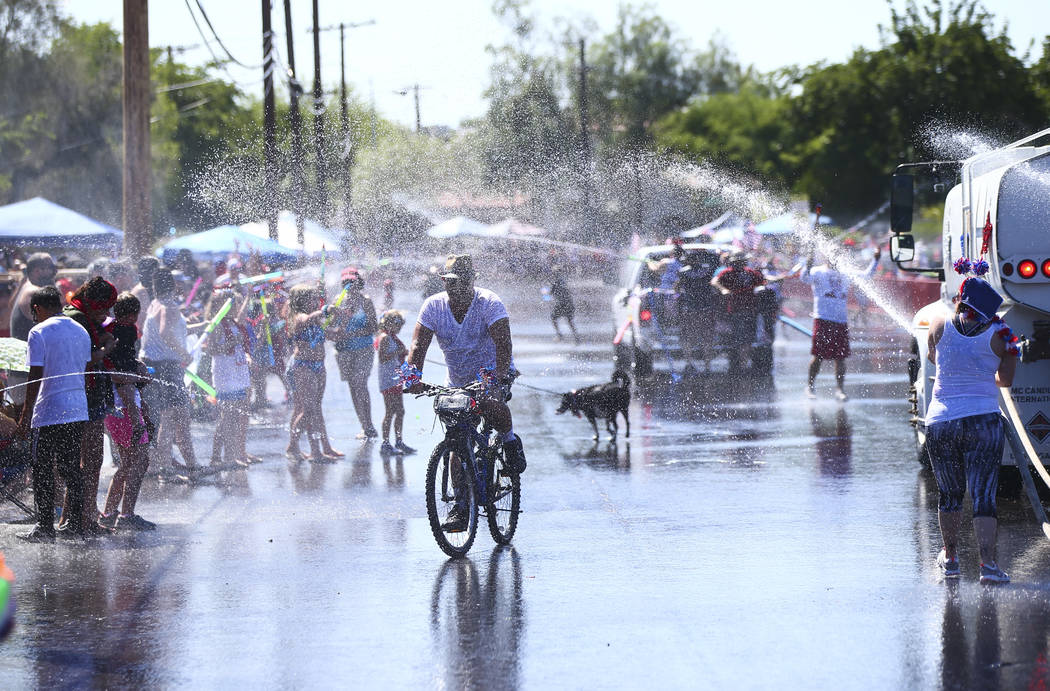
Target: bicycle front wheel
x=446, y=470
x=504, y=499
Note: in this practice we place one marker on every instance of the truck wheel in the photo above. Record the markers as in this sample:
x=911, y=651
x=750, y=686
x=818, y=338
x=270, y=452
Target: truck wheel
x=643, y=363
x=1010, y=484
x=762, y=360
x=621, y=358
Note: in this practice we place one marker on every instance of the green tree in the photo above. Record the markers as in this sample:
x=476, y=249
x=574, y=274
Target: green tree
x=943, y=68
x=744, y=130
x=205, y=119
x=528, y=130
x=26, y=30
x=640, y=72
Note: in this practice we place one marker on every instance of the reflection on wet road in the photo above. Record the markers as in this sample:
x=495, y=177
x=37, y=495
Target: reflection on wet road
x=742, y=537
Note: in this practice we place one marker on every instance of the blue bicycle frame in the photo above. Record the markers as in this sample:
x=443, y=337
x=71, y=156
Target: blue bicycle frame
x=464, y=437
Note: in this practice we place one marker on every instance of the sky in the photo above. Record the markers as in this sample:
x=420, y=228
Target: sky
x=441, y=45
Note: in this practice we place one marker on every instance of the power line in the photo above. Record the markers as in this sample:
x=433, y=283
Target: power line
x=207, y=43
x=215, y=58
x=186, y=85
x=219, y=40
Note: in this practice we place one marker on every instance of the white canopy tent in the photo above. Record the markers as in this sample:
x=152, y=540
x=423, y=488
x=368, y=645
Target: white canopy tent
x=38, y=222
x=790, y=222
x=315, y=236
x=726, y=228
x=512, y=226
x=461, y=225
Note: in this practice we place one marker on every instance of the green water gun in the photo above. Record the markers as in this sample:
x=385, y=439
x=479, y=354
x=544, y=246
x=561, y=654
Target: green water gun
x=338, y=301
x=223, y=311
x=204, y=386
x=191, y=376
x=269, y=338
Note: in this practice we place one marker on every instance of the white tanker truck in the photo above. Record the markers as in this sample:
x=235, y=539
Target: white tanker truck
x=1010, y=188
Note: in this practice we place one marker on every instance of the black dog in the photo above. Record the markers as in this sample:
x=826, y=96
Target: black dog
x=601, y=401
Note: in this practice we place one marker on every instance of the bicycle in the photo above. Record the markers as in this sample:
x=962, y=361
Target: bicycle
x=482, y=472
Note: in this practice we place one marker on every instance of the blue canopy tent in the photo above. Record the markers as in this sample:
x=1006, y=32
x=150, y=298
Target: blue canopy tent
x=789, y=222
x=37, y=222
x=220, y=242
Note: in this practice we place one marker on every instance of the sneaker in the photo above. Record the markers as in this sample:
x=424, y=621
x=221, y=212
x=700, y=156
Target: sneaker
x=96, y=529
x=109, y=521
x=515, y=455
x=456, y=522
x=38, y=535
x=369, y=433
x=949, y=567
x=386, y=449
x=993, y=574
x=64, y=532
x=135, y=522
x=810, y=392
x=841, y=395
x=404, y=448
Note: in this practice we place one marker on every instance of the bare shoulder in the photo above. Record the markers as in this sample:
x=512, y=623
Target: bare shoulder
x=937, y=323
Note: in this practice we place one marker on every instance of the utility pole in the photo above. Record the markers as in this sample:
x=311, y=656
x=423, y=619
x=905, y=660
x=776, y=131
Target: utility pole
x=585, y=125
x=269, y=123
x=137, y=211
x=585, y=143
x=348, y=153
x=415, y=90
x=321, y=198
x=348, y=148
x=296, y=122
x=415, y=93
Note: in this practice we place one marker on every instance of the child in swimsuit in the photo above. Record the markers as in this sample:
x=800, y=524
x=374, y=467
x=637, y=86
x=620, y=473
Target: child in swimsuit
x=391, y=354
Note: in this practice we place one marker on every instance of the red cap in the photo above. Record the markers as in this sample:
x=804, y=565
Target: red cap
x=349, y=274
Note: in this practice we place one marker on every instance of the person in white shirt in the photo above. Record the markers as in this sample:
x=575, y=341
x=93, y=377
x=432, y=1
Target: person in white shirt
x=473, y=330
x=55, y=411
x=974, y=358
x=831, y=285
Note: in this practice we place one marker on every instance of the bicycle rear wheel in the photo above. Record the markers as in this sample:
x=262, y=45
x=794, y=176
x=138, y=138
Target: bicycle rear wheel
x=441, y=499
x=504, y=495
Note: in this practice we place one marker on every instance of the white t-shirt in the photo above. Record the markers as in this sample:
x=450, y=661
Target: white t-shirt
x=467, y=346
x=831, y=290
x=61, y=347
x=229, y=373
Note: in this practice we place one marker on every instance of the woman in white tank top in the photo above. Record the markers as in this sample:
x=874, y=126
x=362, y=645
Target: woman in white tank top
x=964, y=429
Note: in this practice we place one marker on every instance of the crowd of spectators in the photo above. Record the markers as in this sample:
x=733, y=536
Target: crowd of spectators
x=140, y=351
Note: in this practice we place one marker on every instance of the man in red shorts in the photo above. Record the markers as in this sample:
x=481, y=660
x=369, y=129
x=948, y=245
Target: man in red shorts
x=831, y=283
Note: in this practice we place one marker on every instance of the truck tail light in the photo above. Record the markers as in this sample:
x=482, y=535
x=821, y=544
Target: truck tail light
x=1046, y=268
x=1008, y=269
x=1026, y=268
x=645, y=315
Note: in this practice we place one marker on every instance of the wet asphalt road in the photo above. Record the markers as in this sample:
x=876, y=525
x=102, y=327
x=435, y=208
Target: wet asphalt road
x=744, y=537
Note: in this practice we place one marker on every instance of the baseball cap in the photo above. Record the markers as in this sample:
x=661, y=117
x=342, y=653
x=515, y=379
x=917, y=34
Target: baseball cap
x=350, y=274
x=458, y=266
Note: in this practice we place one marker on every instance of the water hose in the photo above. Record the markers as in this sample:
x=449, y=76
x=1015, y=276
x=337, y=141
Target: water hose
x=795, y=325
x=1023, y=449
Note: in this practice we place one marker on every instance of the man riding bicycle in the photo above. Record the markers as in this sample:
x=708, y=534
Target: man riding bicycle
x=473, y=330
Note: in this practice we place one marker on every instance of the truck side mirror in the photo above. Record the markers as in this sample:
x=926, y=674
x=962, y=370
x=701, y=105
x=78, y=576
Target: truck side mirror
x=902, y=198
x=902, y=248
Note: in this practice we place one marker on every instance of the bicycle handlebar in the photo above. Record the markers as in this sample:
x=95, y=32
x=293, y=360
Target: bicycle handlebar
x=437, y=390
